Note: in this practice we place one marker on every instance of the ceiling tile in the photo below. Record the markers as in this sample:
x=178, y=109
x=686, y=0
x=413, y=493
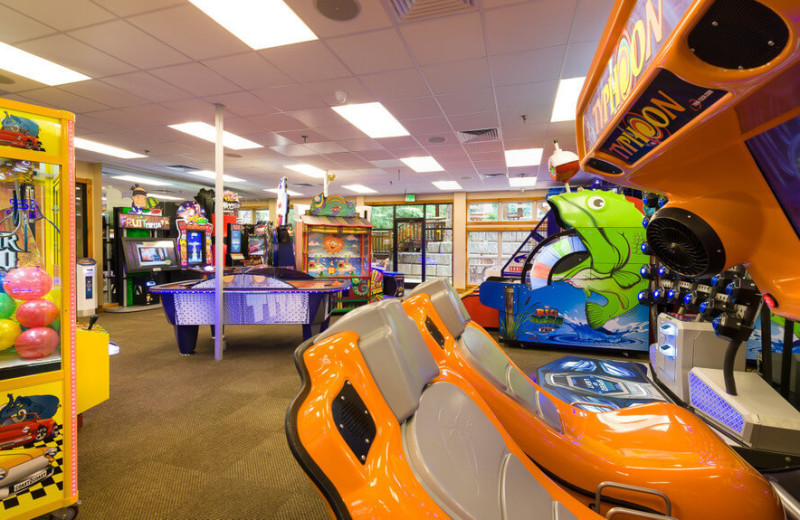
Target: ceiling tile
x=427, y=125
x=526, y=94
x=527, y=66
x=533, y=135
x=579, y=57
x=361, y=145
x=307, y=61
x=290, y=97
x=17, y=83
x=397, y=84
x=372, y=16
x=71, y=53
x=248, y=70
x=195, y=78
x=533, y=115
x=277, y=122
x=475, y=121
x=103, y=93
x=415, y=108
x=484, y=148
x=456, y=76
x=395, y=143
x=449, y=139
x=374, y=155
x=445, y=39
x=326, y=90
x=242, y=103
x=339, y=132
x=316, y=117
x=467, y=102
x=296, y=137
x=389, y=164
x=269, y=139
x=293, y=150
x=127, y=7
x=590, y=20
x=527, y=26
x=358, y=51
x=86, y=124
x=327, y=148
x=190, y=31
x=128, y=43
x=16, y=27
x=63, y=15
x=57, y=98
x=147, y=86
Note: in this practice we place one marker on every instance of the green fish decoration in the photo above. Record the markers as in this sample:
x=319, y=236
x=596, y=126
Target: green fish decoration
x=610, y=227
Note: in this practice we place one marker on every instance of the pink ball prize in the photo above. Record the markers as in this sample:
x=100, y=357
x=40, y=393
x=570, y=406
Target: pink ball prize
x=37, y=313
x=36, y=342
x=27, y=283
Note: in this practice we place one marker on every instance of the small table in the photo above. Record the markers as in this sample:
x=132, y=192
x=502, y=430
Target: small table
x=263, y=297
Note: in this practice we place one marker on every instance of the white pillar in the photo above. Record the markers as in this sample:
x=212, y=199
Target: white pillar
x=219, y=257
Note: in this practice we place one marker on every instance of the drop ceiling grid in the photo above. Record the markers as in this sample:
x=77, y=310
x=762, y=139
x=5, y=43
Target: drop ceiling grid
x=452, y=73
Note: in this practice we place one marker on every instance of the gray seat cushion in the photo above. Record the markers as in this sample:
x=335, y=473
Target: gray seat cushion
x=484, y=355
x=447, y=302
x=461, y=460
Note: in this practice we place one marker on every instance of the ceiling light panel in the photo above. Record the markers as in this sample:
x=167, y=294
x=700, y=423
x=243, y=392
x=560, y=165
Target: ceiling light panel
x=307, y=169
x=261, y=24
x=105, y=149
x=447, y=185
x=206, y=174
x=521, y=182
x=36, y=68
x=289, y=192
x=566, y=103
x=141, y=180
x=161, y=196
x=359, y=188
x=423, y=164
x=524, y=157
x=373, y=119
x=209, y=133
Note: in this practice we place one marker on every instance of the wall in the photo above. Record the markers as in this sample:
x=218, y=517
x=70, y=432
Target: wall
x=91, y=174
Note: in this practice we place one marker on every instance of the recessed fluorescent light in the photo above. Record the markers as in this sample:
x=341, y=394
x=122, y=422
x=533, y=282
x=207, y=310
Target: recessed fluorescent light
x=566, y=103
x=359, y=188
x=307, y=169
x=447, y=185
x=523, y=157
x=521, y=182
x=209, y=133
x=261, y=24
x=373, y=119
x=141, y=180
x=161, y=196
x=288, y=192
x=422, y=164
x=105, y=149
x=206, y=174
x=36, y=68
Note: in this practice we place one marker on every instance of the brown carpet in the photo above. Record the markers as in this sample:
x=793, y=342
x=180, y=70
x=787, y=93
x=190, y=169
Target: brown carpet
x=192, y=438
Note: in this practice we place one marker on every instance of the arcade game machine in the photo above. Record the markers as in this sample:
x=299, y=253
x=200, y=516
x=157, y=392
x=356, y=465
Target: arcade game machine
x=235, y=252
x=257, y=250
x=194, y=238
x=698, y=101
x=38, y=361
x=282, y=238
x=337, y=244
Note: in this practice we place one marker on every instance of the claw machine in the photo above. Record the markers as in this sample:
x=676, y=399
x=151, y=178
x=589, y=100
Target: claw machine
x=38, y=455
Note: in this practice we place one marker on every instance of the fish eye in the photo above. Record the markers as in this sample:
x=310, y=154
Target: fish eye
x=596, y=202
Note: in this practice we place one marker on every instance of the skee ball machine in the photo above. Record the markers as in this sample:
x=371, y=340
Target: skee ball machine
x=698, y=101
x=38, y=425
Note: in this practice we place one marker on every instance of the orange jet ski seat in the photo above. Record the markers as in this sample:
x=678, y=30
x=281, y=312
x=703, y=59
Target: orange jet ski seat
x=383, y=434
x=658, y=448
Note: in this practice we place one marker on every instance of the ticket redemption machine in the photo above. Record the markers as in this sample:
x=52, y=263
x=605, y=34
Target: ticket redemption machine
x=38, y=364
x=698, y=100
x=194, y=244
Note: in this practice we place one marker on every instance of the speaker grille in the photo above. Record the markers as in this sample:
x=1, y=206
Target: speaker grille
x=685, y=243
x=603, y=166
x=354, y=421
x=738, y=34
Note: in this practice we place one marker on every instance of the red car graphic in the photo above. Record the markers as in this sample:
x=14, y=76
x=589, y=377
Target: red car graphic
x=26, y=428
x=20, y=140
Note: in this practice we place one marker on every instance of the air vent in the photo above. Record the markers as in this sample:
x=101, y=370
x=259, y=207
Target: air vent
x=413, y=10
x=478, y=136
x=493, y=175
x=301, y=185
x=182, y=167
x=685, y=243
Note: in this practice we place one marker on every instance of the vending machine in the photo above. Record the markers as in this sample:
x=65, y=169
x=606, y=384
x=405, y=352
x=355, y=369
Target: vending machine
x=38, y=455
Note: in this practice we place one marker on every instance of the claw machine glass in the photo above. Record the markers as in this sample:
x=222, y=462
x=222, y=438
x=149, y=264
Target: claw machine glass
x=38, y=456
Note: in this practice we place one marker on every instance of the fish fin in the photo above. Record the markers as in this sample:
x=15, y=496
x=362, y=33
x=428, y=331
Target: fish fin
x=595, y=315
x=625, y=279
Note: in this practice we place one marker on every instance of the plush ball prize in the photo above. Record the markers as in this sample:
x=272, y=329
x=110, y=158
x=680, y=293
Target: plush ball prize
x=36, y=313
x=27, y=283
x=36, y=342
x=9, y=332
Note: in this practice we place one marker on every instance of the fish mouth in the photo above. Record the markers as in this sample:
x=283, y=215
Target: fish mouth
x=555, y=206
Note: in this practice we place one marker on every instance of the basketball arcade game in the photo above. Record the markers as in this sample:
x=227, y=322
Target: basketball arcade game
x=38, y=365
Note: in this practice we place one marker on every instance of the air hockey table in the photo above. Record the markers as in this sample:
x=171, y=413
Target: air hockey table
x=272, y=296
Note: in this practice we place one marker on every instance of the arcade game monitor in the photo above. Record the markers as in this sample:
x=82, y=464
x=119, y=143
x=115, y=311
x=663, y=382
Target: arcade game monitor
x=144, y=255
x=194, y=245
x=234, y=245
x=698, y=100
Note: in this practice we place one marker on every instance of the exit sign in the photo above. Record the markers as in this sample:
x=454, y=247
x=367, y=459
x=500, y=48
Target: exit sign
x=410, y=197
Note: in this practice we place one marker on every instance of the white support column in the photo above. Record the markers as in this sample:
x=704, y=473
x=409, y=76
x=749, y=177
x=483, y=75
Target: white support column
x=219, y=257
x=459, y=240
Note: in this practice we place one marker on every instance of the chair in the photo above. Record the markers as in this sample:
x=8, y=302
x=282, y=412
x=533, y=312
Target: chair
x=384, y=434
x=655, y=458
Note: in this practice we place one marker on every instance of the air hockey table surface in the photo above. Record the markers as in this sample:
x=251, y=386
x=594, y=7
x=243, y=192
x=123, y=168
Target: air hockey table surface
x=273, y=296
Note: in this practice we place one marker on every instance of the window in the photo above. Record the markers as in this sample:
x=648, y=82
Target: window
x=489, y=251
x=483, y=212
x=518, y=210
x=262, y=215
x=244, y=216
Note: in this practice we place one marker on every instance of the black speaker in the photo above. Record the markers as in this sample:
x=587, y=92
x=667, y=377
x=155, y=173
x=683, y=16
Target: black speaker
x=603, y=166
x=738, y=34
x=685, y=243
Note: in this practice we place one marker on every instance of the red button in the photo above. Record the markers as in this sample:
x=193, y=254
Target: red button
x=770, y=301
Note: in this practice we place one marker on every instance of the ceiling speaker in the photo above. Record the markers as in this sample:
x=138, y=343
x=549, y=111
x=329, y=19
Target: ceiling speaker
x=339, y=10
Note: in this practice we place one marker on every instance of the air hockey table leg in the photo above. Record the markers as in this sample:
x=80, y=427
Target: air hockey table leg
x=186, y=335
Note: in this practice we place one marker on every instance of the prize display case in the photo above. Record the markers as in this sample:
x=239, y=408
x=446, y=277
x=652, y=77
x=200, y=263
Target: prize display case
x=38, y=456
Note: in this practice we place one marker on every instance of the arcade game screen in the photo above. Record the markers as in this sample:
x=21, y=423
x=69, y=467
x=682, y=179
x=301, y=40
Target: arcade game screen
x=335, y=254
x=777, y=153
x=256, y=245
x=149, y=255
x=194, y=247
x=236, y=241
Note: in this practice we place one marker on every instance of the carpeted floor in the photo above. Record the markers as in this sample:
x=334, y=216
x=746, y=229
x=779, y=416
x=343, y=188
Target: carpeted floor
x=191, y=438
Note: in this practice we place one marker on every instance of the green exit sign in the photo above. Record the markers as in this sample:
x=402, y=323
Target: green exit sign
x=410, y=197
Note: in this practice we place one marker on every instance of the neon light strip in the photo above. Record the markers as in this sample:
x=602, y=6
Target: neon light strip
x=73, y=356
